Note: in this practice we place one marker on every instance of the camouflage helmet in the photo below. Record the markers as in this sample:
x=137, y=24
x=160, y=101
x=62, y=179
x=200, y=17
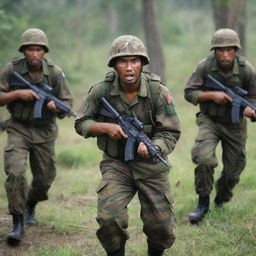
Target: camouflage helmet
x=127, y=45
x=225, y=37
x=33, y=36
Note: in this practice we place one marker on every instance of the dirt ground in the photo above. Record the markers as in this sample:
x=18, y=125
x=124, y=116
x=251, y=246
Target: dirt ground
x=35, y=236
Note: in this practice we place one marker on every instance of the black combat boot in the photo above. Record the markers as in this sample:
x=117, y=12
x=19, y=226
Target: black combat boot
x=201, y=210
x=155, y=252
x=18, y=229
x=218, y=201
x=119, y=252
x=29, y=214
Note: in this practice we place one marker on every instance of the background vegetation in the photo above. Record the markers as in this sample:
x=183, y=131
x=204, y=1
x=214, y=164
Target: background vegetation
x=80, y=33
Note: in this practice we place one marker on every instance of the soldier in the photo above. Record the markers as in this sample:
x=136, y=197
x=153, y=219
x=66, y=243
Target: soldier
x=214, y=120
x=27, y=135
x=134, y=93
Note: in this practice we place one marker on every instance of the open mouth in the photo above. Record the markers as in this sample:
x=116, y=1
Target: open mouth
x=35, y=61
x=129, y=77
x=225, y=62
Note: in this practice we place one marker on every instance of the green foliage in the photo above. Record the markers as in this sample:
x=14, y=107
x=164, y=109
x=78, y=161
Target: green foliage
x=10, y=27
x=174, y=27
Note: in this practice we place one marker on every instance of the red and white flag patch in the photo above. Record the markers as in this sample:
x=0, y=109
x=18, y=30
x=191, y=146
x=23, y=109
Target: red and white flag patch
x=168, y=98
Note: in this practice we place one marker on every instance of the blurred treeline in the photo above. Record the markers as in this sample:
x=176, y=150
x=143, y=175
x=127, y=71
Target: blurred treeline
x=80, y=31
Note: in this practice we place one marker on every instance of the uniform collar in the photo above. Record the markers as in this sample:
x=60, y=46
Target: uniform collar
x=24, y=67
x=235, y=70
x=142, y=92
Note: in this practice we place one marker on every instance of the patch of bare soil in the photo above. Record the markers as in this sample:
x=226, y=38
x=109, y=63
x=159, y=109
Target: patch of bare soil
x=35, y=236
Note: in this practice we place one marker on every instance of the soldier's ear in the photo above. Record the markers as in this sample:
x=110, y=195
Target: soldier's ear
x=114, y=65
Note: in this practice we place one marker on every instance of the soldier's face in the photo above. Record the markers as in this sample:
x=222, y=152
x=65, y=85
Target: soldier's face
x=34, y=55
x=225, y=57
x=128, y=69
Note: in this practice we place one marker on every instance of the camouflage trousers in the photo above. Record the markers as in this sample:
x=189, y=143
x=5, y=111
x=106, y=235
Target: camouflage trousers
x=233, y=140
x=42, y=164
x=115, y=192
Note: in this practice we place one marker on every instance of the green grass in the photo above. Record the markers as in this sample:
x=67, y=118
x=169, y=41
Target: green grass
x=67, y=250
x=69, y=214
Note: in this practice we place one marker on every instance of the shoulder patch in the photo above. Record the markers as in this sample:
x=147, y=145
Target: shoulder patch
x=168, y=98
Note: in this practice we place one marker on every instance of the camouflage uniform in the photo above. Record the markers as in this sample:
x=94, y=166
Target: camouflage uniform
x=29, y=136
x=214, y=122
x=121, y=180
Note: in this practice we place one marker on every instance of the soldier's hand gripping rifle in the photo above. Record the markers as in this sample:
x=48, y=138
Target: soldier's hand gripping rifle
x=44, y=91
x=237, y=94
x=133, y=128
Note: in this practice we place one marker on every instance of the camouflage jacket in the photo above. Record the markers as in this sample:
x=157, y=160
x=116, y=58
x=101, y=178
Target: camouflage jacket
x=153, y=106
x=243, y=74
x=22, y=111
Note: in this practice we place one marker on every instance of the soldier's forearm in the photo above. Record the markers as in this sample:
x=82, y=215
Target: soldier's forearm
x=99, y=128
x=8, y=97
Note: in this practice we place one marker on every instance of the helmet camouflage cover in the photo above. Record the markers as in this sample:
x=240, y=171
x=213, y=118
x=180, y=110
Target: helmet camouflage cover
x=33, y=36
x=127, y=45
x=225, y=37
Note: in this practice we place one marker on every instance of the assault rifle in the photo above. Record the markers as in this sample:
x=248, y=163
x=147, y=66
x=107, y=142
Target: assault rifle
x=44, y=91
x=237, y=94
x=133, y=128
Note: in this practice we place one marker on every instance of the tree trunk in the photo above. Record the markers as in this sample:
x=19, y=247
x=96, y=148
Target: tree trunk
x=155, y=51
x=231, y=14
x=240, y=21
x=112, y=22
